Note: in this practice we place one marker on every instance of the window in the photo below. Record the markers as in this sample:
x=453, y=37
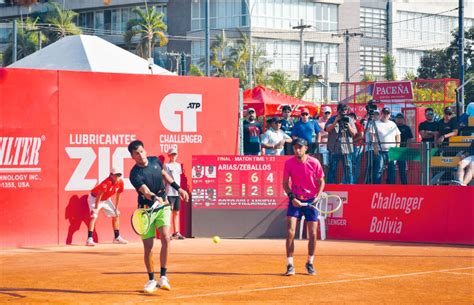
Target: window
x=373, y=22
x=223, y=14
x=371, y=59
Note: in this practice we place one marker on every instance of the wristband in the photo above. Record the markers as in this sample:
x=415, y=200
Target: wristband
x=291, y=196
x=175, y=186
x=153, y=198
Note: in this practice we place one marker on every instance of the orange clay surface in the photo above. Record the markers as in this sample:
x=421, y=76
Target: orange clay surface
x=243, y=271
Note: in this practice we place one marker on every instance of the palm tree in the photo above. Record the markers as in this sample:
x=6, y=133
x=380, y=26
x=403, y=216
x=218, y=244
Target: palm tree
x=281, y=82
x=27, y=40
x=61, y=22
x=151, y=28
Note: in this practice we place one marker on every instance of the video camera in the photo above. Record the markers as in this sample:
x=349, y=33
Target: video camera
x=370, y=107
x=344, y=118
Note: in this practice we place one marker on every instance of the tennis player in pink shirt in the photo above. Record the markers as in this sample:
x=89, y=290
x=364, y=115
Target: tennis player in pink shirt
x=307, y=181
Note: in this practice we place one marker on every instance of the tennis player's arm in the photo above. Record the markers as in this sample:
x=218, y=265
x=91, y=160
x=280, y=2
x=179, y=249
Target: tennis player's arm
x=98, y=197
x=117, y=200
x=168, y=179
x=322, y=184
x=149, y=194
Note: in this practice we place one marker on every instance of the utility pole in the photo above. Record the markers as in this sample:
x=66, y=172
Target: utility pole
x=207, y=26
x=460, y=100
x=347, y=35
x=301, y=27
x=15, y=41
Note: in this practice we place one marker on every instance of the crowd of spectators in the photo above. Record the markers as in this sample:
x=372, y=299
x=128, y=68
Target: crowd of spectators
x=343, y=139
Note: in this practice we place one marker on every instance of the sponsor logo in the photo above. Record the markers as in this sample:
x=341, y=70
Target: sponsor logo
x=178, y=112
x=105, y=157
x=337, y=218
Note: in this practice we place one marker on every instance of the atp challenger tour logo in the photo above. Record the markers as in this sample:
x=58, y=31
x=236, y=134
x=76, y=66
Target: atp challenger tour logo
x=178, y=114
x=19, y=161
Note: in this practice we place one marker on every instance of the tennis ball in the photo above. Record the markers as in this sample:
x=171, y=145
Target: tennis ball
x=216, y=239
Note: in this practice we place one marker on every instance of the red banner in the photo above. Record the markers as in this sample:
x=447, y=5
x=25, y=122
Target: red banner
x=61, y=134
x=409, y=213
x=238, y=182
x=399, y=90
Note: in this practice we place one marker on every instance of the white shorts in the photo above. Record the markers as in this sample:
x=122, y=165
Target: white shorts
x=106, y=205
x=465, y=162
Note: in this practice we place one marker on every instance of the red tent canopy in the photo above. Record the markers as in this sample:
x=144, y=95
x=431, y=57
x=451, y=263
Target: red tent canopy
x=267, y=102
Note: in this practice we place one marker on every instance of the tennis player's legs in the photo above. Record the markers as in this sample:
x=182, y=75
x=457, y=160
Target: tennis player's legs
x=160, y=221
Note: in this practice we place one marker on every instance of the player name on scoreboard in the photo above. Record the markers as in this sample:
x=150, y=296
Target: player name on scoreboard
x=238, y=182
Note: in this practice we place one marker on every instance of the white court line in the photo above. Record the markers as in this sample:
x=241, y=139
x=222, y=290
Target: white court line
x=457, y=273
x=318, y=283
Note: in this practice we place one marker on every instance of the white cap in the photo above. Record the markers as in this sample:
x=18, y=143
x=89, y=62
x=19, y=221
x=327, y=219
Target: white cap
x=326, y=109
x=172, y=150
x=115, y=171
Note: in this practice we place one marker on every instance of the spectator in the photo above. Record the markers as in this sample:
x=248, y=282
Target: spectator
x=358, y=148
x=389, y=136
x=323, y=147
x=252, y=132
x=341, y=129
x=447, y=127
x=287, y=126
x=466, y=167
x=428, y=128
x=370, y=142
x=274, y=139
x=464, y=118
x=307, y=129
x=405, y=137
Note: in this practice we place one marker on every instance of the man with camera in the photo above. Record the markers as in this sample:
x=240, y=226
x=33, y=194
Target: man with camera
x=341, y=129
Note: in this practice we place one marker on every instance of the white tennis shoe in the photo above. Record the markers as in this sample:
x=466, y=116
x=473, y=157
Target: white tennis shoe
x=164, y=283
x=120, y=240
x=150, y=286
x=90, y=242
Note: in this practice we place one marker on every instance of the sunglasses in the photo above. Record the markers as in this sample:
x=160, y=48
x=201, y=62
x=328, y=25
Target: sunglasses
x=305, y=114
x=429, y=113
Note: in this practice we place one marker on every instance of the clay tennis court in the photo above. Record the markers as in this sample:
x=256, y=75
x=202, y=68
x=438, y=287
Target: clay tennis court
x=244, y=271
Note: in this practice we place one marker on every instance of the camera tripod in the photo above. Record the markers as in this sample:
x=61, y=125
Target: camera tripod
x=343, y=139
x=370, y=147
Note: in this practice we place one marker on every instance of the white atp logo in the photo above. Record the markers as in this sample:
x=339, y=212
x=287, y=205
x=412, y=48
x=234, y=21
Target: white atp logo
x=87, y=155
x=178, y=112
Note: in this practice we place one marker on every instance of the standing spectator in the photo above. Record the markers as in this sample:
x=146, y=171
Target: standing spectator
x=173, y=168
x=447, y=127
x=100, y=199
x=287, y=126
x=405, y=137
x=358, y=148
x=307, y=129
x=252, y=132
x=341, y=129
x=274, y=139
x=323, y=145
x=389, y=136
x=428, y=128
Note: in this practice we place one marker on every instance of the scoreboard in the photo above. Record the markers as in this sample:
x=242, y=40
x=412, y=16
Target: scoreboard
x=238, y=182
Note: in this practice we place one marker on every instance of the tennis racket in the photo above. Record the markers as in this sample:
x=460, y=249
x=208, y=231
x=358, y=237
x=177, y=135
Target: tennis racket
x=141, y=218
x=325, y=204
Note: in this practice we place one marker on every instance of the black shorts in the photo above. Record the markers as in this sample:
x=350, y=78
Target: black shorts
x=174, y=201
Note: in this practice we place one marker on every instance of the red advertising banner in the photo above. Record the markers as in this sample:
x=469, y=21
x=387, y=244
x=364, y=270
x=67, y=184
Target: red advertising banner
x=409, y=213
x=399, y=90
x=238, y=182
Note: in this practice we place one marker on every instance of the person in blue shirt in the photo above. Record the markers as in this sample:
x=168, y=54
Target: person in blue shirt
x=252, y=132
x=308, y=130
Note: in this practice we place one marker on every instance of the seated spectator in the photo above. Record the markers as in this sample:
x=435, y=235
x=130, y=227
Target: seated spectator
x=464, y=118
x=447, y=127
x=274, y=139
x=428, y=128
x=465, y=170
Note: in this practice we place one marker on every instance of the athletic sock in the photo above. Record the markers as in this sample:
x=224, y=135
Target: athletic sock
x=89, y=234
x=310, y=259
x=290, y=260
x=162, y=271
x=151, y=276
x=116, y=234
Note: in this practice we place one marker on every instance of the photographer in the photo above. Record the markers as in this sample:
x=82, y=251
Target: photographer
x=341, y=129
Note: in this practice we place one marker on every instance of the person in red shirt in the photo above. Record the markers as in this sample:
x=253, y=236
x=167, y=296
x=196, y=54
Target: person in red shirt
x=100, y=198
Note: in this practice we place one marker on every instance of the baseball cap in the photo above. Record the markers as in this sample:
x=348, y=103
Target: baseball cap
x=304, y=110
x=285, y=108
x=300, y=141
x=448, y=110
x=400, y=116
x=326, y=109
x=250, y=110
x=376, y=111
x=172, y=150
x=385, y=110
x=115, y=171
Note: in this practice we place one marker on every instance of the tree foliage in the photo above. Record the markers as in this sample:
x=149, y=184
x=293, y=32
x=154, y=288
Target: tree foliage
x=389, y=63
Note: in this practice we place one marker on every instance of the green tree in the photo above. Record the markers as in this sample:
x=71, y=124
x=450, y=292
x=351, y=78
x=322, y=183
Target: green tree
x=61, y=23
x=150, y=28
x=281, y=82
x=368, y=77
x=389, y=63
x=409, y=75
x=27, y=40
